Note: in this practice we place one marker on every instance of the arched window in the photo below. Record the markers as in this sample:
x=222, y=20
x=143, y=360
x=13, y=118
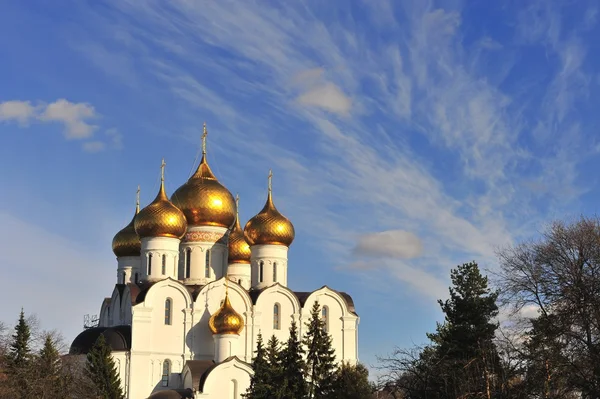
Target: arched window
x=166, y=372
x=276, y=317
x=168, y=311
x=325, y=318
x=188, y=261
x=124, y=277
x=149, y=264
x=260, y=271
x=234, y=389
x=164, y=264
x=136, y=277
x=274, y=272
x=240, y=281
x=207, y=264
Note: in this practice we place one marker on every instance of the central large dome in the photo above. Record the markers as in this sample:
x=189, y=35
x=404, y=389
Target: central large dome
x=203, y=200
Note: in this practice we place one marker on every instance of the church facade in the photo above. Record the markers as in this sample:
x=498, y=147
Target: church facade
x=194, y=290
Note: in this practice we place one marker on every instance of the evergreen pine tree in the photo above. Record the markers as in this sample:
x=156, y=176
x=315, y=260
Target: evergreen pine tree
x=19, y=353
x=18, y=367
x=51, y=381
x=275, y=371
x=49, y=360
x=464, y=344
x=320, y=358
x=101, y=370
x=259, y=383
x=293, y=366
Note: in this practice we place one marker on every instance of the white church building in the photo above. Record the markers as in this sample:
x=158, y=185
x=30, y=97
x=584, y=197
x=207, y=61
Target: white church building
x=194, y=290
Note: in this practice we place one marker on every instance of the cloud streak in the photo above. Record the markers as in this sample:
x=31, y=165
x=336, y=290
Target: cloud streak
x=411, y=135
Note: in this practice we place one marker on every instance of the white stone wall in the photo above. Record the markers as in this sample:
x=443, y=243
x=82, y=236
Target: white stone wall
x=159, y=258
x=194, y=246
x=264, y=260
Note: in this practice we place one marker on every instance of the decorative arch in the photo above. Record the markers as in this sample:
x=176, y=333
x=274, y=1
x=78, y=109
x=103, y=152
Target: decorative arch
x=150, y=297
x=326, y=291
x=289, y=294
x=233, y=287
x=218, y=373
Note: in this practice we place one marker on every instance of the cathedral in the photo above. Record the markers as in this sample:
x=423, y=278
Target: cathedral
x=194, y=290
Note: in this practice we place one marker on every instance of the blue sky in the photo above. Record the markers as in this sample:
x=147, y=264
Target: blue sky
x=405, y=137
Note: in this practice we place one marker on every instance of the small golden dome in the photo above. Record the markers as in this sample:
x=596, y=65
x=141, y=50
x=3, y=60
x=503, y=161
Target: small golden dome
x=126, y=242
x=160, y=218
x=226, y=320
x=239, y=250
x=203, y=200
x=269, y=226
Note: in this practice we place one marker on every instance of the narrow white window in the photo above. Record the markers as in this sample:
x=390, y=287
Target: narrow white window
x=166, y=372
x=168, y=311
x=188, y=262
x=260, y=271
x=207, y=264
x=276, y=317
x=325, y=318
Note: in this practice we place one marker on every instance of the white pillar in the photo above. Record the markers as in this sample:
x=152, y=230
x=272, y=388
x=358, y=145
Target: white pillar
x=269, y=265
x=193, y=261
x=225, y=346
x=159, y=259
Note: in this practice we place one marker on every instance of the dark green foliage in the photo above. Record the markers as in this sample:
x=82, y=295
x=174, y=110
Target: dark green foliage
x=293, y=366
x=464, y=343
x=462, y=360
x=48, y=362
x=320, y=357
x=101, y=370
x=51, y=380
x=260, y=381
x=351, y=382
x=275, y=371
x=18, y=360
x=19, y=354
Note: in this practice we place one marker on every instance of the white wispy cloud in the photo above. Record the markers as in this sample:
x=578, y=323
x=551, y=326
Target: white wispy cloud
x=20, y=111
x=75, y=117
x=392, y=243
x=462, y=190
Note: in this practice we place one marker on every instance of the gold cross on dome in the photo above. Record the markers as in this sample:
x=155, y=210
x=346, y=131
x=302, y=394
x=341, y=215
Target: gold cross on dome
x=162, y=170
x=270, y=180
x=237, y=205
x=204, y=134
x=137, y=199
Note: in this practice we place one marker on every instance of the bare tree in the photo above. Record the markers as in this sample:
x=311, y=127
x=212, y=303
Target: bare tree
x=560, y=275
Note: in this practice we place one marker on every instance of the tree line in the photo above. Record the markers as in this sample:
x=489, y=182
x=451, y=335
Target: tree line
x=45, y=374
x=546, y=345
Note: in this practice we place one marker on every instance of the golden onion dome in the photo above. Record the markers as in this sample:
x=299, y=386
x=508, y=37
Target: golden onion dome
x=239, y=250
x=226, y=320
x=126, y=242
x=160, y=218
x=203, y=200
x=269, y=226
